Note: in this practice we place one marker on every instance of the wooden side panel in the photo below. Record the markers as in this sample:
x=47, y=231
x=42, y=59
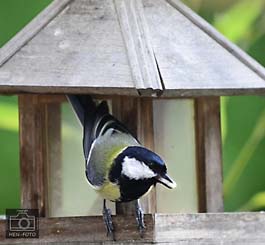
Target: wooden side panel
x=39, y=126
x=209, y=155
x=54, y=158
x=174, y=136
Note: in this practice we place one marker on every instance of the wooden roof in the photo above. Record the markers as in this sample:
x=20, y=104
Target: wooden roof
x=147, y=47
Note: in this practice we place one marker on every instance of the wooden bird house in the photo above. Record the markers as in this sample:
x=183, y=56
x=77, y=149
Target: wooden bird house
x=163, y=70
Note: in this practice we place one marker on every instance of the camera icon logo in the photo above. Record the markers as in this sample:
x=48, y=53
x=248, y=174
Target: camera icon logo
x=22, y=223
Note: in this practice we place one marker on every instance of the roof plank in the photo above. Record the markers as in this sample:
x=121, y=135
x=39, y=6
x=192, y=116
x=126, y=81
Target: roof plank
x=218, y=37
x=30, y=30
x=81, y=48
x=190, y=61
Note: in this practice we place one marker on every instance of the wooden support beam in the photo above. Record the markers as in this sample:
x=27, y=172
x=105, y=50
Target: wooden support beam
x=125, y=109
x=203, y=228
x=209, y=155
x=39, y=129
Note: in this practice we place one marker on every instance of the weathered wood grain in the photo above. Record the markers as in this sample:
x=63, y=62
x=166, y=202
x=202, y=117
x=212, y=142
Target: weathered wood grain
x=139, y=48
x=53, y=124
x=91, y=47
x=146, y=137
x=209, y=154
x=30, y=30
x=190, y=61
x=33, y=156
x=42, y=89
x=52, y=99
x=84, y=229
x=81, y=49
x=126, y=110
x=225, y=228
x=218, y=37
x=39, y=130
x=137, y=115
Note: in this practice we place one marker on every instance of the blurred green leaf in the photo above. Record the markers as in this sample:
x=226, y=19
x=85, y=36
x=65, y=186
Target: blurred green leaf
x=237, y=20
x=14, y=15
x=9, y=116
x=257, y=49
x=245, y=154
x=256, y=203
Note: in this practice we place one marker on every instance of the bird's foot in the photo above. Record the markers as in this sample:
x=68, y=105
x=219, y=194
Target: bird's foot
x=140, y=218
x=108, y=221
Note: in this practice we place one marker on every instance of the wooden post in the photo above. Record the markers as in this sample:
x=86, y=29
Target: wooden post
x=39, y=129
x=146, y=137
x=126, y=110
x=137, y=115
x=209, y=155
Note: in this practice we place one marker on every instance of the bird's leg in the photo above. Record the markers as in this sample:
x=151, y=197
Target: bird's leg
x=139, y=217
x=107, y=220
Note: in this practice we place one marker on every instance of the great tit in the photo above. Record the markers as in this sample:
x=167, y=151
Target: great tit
x=117, y=166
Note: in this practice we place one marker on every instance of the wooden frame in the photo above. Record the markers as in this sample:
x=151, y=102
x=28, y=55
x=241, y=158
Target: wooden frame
x=131, y=111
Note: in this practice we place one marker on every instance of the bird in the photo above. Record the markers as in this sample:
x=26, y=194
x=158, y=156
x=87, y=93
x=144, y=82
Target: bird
x=117, y=166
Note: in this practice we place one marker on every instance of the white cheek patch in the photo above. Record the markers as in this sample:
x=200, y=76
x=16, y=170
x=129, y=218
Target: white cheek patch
x=134, y=169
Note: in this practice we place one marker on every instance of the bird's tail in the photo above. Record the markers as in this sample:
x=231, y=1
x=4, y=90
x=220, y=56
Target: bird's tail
x=94, y=118
x=90, y=116
x=82, y=105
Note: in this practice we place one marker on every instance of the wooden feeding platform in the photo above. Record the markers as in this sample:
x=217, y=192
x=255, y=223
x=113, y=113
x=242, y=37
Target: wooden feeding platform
x=132, y=53
x=204, y=228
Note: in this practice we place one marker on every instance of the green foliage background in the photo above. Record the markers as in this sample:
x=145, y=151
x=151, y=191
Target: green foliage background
x=243, y=118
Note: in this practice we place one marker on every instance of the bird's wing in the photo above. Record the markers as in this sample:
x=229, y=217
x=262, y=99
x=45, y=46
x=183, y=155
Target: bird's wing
x=103, y=152
x=96, y=120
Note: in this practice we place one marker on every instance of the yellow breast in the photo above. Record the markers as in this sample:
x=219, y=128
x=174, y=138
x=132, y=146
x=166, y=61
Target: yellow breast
x=110, y=191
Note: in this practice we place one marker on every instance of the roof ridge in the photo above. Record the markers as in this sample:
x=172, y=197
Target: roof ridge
x=136, y=38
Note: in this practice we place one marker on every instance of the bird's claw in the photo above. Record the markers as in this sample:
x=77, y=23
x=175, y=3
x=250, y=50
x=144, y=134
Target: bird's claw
x=140, y=219
x=108, y=222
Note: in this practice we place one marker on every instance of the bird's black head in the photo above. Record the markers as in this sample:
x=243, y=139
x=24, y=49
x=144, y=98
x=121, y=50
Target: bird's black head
x=139, y=163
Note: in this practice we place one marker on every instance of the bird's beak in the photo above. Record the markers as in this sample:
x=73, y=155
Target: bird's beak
x=165, y=180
